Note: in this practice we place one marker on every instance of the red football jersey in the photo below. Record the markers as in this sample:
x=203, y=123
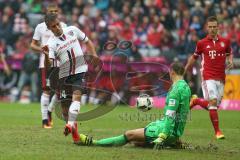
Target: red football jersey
x=213, y=55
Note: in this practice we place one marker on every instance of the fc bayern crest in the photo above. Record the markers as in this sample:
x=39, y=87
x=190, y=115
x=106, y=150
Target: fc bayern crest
x=222, y=44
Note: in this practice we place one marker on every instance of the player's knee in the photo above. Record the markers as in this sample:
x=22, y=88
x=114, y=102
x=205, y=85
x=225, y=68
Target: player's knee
x=77, y=93
x=213, y=102
x=46, y=90
x=76, y=96
x=129, y=135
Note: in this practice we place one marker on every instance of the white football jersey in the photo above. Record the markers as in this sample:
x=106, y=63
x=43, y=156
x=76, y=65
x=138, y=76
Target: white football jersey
x=42, y=34
x=68, y=51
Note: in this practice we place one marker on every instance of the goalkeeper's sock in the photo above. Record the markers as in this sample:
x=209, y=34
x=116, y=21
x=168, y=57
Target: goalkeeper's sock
x=202, y=102
x=113, y=141
x=214, y=118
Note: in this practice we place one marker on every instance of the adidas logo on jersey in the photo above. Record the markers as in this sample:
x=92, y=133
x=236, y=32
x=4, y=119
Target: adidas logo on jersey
x=222, y=44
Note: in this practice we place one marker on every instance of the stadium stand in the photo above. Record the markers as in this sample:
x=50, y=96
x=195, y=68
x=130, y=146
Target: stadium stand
x=159, y=31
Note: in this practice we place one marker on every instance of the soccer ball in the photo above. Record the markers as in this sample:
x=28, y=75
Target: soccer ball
x=144, y=102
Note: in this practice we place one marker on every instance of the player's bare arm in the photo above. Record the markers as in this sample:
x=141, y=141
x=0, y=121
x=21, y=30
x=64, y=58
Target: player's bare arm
x=229, y=60
x=91, y=48
x=35, y=46
x=92, y=51
x=190, y=62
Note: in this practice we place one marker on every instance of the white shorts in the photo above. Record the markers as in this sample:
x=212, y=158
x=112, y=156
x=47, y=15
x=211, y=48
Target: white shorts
x=213, y=89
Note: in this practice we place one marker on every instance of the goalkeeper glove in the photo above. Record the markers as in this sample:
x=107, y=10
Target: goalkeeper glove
x=159, y=142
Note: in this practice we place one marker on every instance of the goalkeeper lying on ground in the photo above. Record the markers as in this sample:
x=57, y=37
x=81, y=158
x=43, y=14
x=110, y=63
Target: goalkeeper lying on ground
x=161, y=133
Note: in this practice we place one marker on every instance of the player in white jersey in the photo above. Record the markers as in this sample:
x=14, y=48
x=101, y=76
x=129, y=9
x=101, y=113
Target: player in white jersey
x=40, y=38
x=65, y=47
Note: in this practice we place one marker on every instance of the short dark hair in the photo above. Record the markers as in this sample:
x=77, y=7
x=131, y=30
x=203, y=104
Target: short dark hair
x=49, y=18
x=177, y=67
x=212, y=19
x=52, y=5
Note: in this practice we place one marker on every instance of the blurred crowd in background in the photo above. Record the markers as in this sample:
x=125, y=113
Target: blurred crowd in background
x=166, y=29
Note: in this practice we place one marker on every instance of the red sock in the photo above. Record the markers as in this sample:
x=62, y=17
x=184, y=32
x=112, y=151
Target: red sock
x=201, y=102
x=75, y=135
x=214, y=118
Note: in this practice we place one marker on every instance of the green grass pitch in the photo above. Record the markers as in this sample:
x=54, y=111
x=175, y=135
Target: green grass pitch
x=22, y=138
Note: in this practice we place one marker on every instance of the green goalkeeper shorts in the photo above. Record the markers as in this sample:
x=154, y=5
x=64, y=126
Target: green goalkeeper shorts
x=152, y=130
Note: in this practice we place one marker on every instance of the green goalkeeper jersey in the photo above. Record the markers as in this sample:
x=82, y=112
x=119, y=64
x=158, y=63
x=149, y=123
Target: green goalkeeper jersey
x=176, y=109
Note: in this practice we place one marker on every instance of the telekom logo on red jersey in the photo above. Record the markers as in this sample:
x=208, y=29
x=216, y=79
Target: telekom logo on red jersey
x=212, y=54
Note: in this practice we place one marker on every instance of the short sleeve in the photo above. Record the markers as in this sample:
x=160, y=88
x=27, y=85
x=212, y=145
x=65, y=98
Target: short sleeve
x=198, y=50
x=37, y=35
x=80, y=35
